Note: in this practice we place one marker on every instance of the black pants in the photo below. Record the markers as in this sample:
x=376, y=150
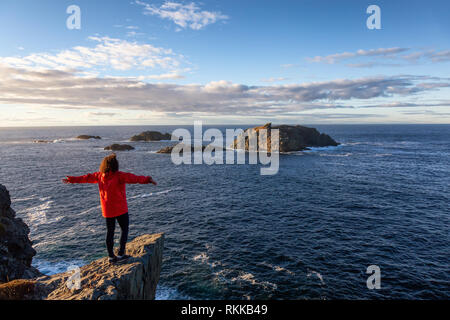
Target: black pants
x=110, y=226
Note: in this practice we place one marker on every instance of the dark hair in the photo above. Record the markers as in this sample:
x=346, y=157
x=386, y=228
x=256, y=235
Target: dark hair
x=109, y=164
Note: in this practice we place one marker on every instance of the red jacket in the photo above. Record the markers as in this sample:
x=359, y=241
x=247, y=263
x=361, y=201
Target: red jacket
x=111, y=186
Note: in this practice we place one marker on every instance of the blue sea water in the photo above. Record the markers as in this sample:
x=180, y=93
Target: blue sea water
x=309, y=232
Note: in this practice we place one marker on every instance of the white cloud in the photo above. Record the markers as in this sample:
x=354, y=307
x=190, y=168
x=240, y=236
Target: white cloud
x=101, y=114
x=440, y=56
x=333, y=58
x=273, y=79
x=66, y=89
x=111, y=53
x=183, y=15
x=392, y=54
x=163, y=76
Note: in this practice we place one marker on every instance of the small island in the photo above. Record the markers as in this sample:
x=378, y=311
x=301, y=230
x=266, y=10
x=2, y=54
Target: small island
x=169, y=149
x=42, y=141
x=87, y=137
x=119, y=147
x=151, y=136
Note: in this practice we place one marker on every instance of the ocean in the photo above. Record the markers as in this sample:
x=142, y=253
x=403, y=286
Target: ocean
x=309, y=232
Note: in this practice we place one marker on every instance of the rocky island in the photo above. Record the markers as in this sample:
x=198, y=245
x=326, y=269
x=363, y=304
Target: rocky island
x=170, y=148
x=119, y=147
x=151, y=136
x=292, y=138
x=135, y=278
x=87, y=137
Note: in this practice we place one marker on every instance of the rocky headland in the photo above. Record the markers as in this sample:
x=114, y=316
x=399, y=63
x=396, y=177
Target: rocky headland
x=134, y=279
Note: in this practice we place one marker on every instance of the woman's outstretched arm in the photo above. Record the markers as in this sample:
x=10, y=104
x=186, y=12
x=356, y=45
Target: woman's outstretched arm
x=130, y=178
x=88, y=178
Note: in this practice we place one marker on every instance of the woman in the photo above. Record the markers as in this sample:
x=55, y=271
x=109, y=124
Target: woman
x=113, y=199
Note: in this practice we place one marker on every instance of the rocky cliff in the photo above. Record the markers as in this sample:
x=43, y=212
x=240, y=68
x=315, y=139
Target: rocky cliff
x=292, y=138
x=133, y=279
x=16, y=251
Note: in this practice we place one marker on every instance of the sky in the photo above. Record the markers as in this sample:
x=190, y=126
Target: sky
x=142, y=62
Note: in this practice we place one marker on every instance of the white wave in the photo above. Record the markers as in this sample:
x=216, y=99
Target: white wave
x=294, y=153
x=145, y=195
x=317, y=149
x=277, y=268
x=165, y=293
x=89, y=210
x=318, y=275
x=204, y=258
x=62, y=140
x=24, y=199
x=37, y=243
x=351, y=144
x=383, y=154
x=250, y=278
x=38, y=214
x=348, y=154
x=50, y=268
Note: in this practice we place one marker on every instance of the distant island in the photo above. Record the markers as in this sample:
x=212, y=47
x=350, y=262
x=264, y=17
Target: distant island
x=119, y=147
x=151, y=136
x=170, y=148
x=87, y=137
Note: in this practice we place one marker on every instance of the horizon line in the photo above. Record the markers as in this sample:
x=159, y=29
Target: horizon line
x=222, y=124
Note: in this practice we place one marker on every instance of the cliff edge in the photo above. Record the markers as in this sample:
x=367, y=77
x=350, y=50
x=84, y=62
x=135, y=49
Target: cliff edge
x=133, y=279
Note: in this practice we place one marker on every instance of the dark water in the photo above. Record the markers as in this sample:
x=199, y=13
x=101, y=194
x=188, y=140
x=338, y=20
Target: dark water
x=309, y=232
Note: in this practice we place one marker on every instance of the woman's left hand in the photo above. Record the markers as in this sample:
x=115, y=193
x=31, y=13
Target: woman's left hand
x=152, y=181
